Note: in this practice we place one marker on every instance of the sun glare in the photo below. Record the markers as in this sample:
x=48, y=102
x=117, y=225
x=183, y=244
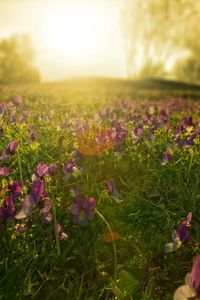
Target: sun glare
x=70, y=37
x=74, y=32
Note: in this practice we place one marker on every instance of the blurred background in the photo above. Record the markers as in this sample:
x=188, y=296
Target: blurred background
x=46, y=40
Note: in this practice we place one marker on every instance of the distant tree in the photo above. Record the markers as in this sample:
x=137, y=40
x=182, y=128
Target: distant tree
x=16, y=60
x=188, y=69
x=160, y=31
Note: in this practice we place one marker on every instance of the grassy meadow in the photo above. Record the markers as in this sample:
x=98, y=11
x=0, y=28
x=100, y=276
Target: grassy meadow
x=94, y=176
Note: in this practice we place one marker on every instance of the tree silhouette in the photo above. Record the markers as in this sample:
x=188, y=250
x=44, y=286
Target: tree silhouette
x=16, y=58
x=159, y=32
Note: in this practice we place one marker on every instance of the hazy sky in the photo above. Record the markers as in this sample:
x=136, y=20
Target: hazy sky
x=70, y=37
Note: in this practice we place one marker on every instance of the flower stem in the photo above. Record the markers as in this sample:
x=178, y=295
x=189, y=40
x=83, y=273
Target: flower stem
x=114, y=244
x=55, y=229
x=20, y=167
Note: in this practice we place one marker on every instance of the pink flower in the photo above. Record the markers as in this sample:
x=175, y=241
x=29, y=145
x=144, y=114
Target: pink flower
x=195, y=276
x=4, y=171
x=45, y=211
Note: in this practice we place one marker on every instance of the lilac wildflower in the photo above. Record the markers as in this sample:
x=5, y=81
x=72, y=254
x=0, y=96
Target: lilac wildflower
x=33, y=135
x=167, y=156
x=45, y=170
x=11, y=149
x=195, y=276
x=4, y=171
x=41, y=169
x=191, y=288
x=32, y=199
x=112, y=189
x=45, y=211
x=9, y=209
x=69, y=169
x=21, y=228
x=180, y=236
x=83, y=210
x=15, y=188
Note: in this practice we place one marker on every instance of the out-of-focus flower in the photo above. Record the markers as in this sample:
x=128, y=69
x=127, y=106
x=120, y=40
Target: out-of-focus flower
x=32, y=199
x=33, y=135
x=4, y=171
x=83, y=210
x=195, y=276
x=187, y=121
x=71, y=169
x=21, y=228
x=41, y=169
x=112, y=189
x=180, y=236
x=7, y=210
x=16, y=100
x=111, y=236
x=62, y=235
x=45, y=211
x=37, y=190
x=10, y=150
x=45, y=170
x=167, y=156
x=191, y=289
x=68, y=168
x=15, y=188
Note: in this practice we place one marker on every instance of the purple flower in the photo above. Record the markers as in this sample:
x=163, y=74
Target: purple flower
x=20, y=228
x=4, y=171
x=33, y=134
x=167, y=156
x=180, y=236
x=11, y=149
x=37, y=190
x=46, y=215
x=83, y=210
x=9, y=209
x=51, y=169
x=179, y=129
x=12, y=146
x=15, y=189
x=32, y=199
x=195, y=276
x=112, y=188
x=187, y=121
x=26, y=209
x=42, y=169
x=183, y=233
x=68, y=168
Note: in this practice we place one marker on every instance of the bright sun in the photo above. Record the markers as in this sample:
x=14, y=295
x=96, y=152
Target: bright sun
x=75, y=32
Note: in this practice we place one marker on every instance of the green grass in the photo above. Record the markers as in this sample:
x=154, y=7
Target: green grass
x=156, y=198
